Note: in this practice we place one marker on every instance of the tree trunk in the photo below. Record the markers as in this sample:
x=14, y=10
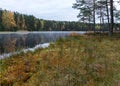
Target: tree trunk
x=94, y=15
x=108, y=18
x=112, y=18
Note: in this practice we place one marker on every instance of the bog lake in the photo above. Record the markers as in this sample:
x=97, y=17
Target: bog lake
x=16, y=42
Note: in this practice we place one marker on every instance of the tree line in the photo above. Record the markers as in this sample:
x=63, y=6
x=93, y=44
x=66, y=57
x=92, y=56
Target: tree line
x=102, y=11
x=14, y=21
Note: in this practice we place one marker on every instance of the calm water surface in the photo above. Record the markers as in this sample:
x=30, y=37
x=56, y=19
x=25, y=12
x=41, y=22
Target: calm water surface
x=15, y=41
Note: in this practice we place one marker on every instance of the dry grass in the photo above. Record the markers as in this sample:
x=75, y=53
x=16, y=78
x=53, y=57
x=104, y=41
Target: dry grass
x=76, y=61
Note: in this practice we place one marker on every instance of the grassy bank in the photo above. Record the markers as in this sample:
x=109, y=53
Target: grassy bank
x=85, y=60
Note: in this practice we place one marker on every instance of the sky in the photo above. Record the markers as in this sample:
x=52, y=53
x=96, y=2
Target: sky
x=60, y=10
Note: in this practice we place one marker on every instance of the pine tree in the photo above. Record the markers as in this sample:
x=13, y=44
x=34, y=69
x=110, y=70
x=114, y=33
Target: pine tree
x=112, y=18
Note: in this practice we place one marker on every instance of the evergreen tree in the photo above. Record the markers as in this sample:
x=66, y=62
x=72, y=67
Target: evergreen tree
x=1, y=28
x=41, y=25
x=87, y=10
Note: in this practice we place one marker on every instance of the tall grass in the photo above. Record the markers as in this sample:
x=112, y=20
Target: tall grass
x=76, y=61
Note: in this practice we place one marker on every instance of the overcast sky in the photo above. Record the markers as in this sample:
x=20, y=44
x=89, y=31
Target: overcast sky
x=44, y=9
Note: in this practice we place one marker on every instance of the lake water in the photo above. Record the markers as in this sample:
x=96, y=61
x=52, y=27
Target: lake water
x=15, y=41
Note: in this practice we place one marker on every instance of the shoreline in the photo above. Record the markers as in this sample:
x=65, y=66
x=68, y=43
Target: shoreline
x=28, y=32
x=7, y=55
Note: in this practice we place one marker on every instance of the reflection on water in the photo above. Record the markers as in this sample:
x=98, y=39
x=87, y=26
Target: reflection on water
x=14, y=41
x=25, y=50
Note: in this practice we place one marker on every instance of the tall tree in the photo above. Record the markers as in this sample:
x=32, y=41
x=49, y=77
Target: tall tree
x=23, y=24
x=102, y=12
x=42, y=25
x=1, y=19
x=94, y=15
x=112, y=18
x=8, y=20
x=87, y=11
x=108, y=18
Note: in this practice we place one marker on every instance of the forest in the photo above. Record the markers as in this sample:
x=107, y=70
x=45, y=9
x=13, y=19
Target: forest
x=94, y=15
x=14, y=21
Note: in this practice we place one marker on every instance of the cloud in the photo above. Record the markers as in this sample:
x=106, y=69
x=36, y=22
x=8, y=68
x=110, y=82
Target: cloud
x=45, y=9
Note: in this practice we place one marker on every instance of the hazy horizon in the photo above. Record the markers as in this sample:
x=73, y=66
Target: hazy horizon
x=59, y=10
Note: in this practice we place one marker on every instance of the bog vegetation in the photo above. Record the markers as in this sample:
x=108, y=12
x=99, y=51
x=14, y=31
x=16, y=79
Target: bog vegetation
x=85, y=60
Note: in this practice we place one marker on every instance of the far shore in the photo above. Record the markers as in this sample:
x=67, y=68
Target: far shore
x=26, y=32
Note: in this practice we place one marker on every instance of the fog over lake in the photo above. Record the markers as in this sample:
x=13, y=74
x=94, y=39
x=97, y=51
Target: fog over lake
x=16, y=41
